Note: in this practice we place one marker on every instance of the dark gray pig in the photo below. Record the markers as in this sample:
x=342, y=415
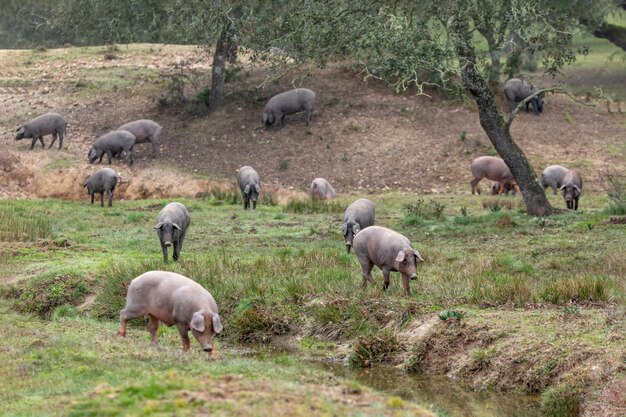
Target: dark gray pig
x=517, y=90
x=250, y=185
x=493, y=169
x=388, y=250
x=552, y=177
x=102, y=181
x=174, y=300
x=113, y=144
x=322, y=190
x=572, y=187
x=172, y=223
x=47, y=124
x=145, y=131
x=292, y=101
x=359, y=215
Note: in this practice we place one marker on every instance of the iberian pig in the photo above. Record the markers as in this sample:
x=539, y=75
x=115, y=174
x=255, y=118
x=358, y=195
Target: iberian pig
x=250, y=185
x=145, y=131
x=174, y=300
x=494, y=169
x=113, y=144
x=47, y=124
x=288, y=102
x=517, y=90
x=552, y=177
x=388, y=250
x=322, y=190
x=102, y=181
x=359, y=215
x=172, y=223
x=572, y=187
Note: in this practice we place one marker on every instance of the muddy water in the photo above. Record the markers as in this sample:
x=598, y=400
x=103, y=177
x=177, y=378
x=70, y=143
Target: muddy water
x=440, y=394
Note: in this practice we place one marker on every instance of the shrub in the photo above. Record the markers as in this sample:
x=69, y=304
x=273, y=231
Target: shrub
x=451, y=315
x=374, y=348
x=427, y=210
x=42, y=294
x=561, y=401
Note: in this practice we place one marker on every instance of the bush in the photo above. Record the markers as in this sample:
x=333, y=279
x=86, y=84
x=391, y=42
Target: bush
x=427, y=210
x=42, y=294
x=374, y=348
x=561, y=401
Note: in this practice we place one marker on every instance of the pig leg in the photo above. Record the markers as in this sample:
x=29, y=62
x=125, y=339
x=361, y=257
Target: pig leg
x=164, y=249
x=385, y=271
x=184, y=336
x=366, y=271
x=102, y=199
x=32, y=145
x=61, y=137
x=155, y=147
x=575, y=204
x=110, y=156
x=475, y=188
x=41, y=140
x=110, y=198
x=153, y=326
x=126, y=315
x=405, y=284
x=178, y=245
x=92, y=198
x=54, y=139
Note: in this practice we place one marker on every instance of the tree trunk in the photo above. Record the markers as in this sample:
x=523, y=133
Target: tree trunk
x=494, y=69
x=492, y=123
x=218, y=73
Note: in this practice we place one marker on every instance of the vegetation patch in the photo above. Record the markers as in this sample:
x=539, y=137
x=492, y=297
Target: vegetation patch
x=19, y=223
x=377, y=347
x=561, y=401
x=42, y=294
x=311, y=206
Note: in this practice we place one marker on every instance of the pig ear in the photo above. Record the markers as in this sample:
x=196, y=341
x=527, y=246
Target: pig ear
x=247, y=189
x=562, y=186
x=356, y=229
x=344, y=229
x=577, y=188
x=217, y=323
x=158, y=226
x=257, y=188
x=197, y=322
x=418, y=256
x=400, y=256
x=176, y=226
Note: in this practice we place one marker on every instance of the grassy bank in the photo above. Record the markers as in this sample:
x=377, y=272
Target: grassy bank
x=525, y=297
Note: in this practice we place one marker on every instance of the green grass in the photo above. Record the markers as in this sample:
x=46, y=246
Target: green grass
x=278, y=271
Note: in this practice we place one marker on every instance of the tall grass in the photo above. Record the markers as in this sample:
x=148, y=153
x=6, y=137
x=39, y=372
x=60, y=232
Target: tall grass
x=18, y=223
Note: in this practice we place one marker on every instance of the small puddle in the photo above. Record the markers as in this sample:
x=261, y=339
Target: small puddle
x=445, y=397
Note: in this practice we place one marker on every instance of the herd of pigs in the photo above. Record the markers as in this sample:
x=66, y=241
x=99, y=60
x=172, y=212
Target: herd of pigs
x=176, y=300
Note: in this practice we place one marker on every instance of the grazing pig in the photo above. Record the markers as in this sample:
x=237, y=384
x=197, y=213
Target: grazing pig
x=359, y=215
x=552, y=177
x=102, y=181
x=496, y=187
x=113, y=144
x=494, y=169
x=292, y=101
x=174, y=300
x=572, y=186
x=47, y=124
x=322, y=190
x=172, y=223
x=249, y=184
x=145, y=131
x=388, y=250
x=517, y=90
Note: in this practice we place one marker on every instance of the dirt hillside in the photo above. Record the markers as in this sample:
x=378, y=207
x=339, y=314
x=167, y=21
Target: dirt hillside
x=362, y=136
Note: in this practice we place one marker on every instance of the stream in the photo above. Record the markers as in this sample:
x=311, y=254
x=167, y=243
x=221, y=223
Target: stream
x=444, y=396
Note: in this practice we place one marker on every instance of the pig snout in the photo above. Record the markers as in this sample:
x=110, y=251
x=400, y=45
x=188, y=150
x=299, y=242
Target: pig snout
x=208, y=348
x=168, y=244
x=348, y=247
x=413, y=277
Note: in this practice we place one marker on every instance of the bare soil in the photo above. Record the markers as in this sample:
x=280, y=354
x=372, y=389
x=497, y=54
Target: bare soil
x=362, y=136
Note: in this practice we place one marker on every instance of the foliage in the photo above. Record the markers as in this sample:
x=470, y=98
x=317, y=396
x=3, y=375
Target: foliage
x=22, y=224
x=561, y=401
x=451, y=315
x=41, y=295
x=374, y=348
